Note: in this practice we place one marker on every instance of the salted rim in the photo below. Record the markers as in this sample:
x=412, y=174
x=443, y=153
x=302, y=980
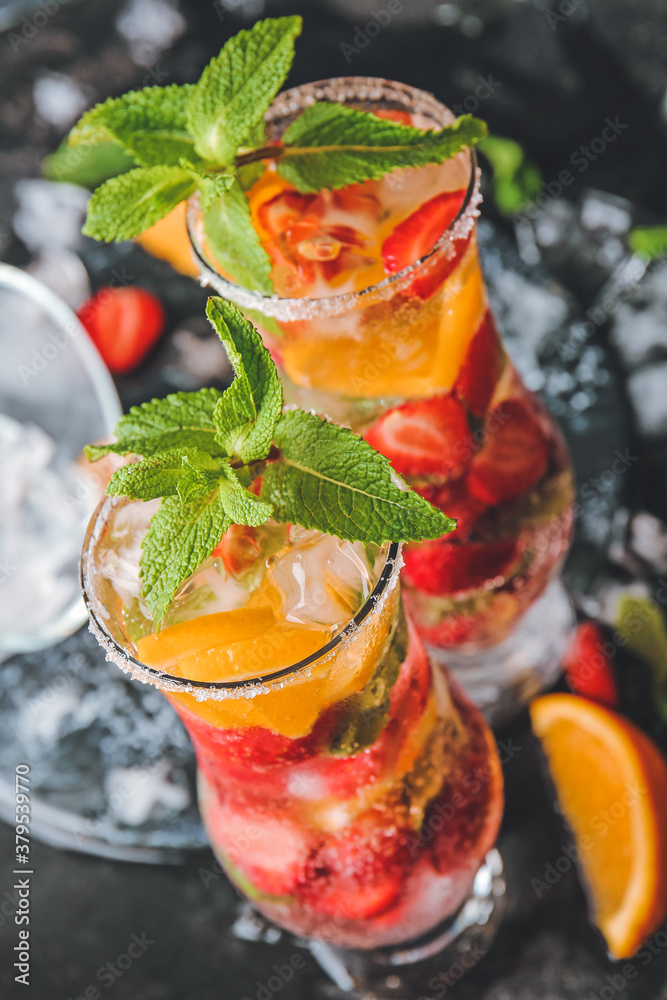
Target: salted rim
x=219, y=690
x=353, y=89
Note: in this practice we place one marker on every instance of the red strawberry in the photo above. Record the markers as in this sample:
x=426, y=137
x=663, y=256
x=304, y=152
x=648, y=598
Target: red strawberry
x=307, y=237
x=443, y=567
x=254, y=746
x=124, y=324
x=588, y=669
x=480, y=370
x=453, y=629
x=424, y=437
x=515, y=454
x=415, y=236
x=454, y=499
x=271, y=853
x=360, y=872
x=238, y=548
x=394, y=115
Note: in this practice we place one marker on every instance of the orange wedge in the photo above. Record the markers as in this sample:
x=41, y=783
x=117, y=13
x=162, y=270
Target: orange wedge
x=168, y=239
x=611, y=782
x=172, y=644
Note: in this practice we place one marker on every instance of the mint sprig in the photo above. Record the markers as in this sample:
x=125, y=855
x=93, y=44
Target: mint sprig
x=209, y=136
x=200, y=452
x=331, y=145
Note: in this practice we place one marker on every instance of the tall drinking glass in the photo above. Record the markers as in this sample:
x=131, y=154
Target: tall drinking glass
x=351, y=791
x=381, y=320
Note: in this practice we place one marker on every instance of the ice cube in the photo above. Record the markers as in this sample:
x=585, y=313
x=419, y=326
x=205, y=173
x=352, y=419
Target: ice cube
x=323, y=580
x=49, y=214
x=149, y=27
x=646, y=389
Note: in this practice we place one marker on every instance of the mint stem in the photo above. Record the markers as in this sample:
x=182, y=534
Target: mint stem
x=265, y=153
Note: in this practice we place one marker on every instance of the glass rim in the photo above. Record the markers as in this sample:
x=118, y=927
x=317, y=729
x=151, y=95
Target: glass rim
x=169, y=682
x=295, y=309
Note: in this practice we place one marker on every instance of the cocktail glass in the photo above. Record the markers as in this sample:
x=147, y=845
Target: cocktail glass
x=352, y=792
x=412, y=360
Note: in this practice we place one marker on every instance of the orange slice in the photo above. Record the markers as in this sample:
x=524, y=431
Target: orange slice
x=175, y=642
x=611, y=782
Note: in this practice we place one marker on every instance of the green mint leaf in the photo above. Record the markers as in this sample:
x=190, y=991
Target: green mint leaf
x=248, y=411
x=211, y=185
x=241, y=506
x=238, y=85
x=640, y=621
x=332, y=480
x=516, y=179
x=150, y=124
x=648, y=241
x=331, y=146
x=180, y=420
x=126, y=206
x=180, y=537
x=157, y=476
x=234, y=243
x=200, y=474
x=87, y=165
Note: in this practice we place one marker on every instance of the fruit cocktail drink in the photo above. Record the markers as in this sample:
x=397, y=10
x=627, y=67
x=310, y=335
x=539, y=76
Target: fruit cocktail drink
x=380, y=319
x=348, y=789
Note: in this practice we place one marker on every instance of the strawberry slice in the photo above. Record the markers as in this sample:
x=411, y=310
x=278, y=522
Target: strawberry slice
x=588, y=669
x=514, y=457
x=415, y=236
x=453, y=630
x=394, y=115
x=424, y=437
x=124, y=324
x=455, y=500
x=444, y=567
x=271, y=853
x=238, y=549
x=481, y=368
x=360, y=872
x=309, y=235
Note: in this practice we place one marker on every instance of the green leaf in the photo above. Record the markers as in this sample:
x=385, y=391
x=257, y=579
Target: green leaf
x=516, y=179
x=87, y=166
x=126, y=206
x=238, y=85
x=640, y=621
x=332, y=480
x=648, y=241
x=180, y=420
x=180, y=537
x=151, y=124
x=248, y=411
x=331, y=146
x=241, y=506
x=211, y=184
x=234, y=243
x=200, y=474
x=157, y=476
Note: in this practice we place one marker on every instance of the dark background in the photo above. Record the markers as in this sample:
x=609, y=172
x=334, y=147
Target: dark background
x=556, y=79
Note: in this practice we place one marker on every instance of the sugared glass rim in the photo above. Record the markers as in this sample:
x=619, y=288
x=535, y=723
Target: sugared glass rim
x=354, y=90
x=218, y=690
